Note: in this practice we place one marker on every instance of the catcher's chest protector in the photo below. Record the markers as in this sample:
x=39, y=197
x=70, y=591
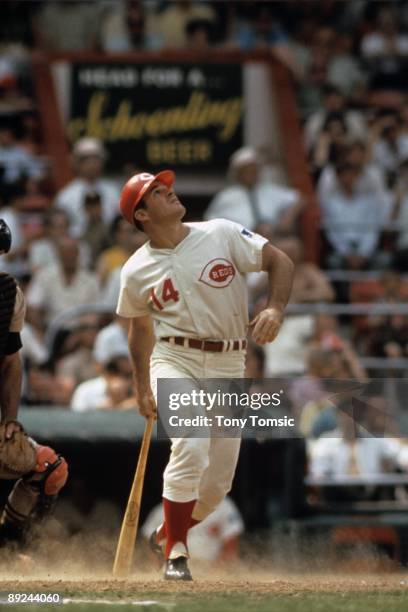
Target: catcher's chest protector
x=8, y=290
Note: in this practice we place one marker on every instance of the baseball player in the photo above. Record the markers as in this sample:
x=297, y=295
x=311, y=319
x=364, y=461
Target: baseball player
x=189, y=279
x=39, y=471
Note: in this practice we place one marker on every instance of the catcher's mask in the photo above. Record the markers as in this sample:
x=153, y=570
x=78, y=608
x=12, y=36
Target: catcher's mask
x=5, y=237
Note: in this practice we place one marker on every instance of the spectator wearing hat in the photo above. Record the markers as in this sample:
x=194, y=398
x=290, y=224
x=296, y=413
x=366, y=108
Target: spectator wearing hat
x=252, y=202
x=89, y=156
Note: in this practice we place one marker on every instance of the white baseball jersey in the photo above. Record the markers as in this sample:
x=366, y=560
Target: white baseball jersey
x=197, y=289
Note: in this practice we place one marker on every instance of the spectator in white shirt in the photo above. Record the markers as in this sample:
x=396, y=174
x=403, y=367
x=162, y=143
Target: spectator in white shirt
x=250, y=201
x=370, y=180
x=111, y=340
x=110, y=293
x=353, y=222
x=44, y=251
x=357, y=448
x=333, y=102
x=89, y=155
x=386, y=50
x=111, y=390
x=62, y=286
x=288, y=354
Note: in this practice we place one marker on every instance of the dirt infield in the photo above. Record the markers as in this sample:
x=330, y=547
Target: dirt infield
x=229, y=592
x=79, y=569
x=257, y=584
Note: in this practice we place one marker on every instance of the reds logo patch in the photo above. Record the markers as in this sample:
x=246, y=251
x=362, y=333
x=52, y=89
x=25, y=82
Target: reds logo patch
x=218, y=273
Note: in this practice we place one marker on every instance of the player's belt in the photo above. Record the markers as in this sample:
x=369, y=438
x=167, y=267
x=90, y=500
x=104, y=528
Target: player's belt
x=213, y=346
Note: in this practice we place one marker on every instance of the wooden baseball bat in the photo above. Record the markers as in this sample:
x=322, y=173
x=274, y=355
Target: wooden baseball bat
x=128, y=531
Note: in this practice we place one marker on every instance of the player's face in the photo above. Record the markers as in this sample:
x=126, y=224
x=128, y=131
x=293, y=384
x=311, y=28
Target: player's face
x=162, y=204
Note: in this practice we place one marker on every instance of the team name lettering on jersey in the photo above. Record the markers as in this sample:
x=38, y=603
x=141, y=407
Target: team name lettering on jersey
x=218, y=273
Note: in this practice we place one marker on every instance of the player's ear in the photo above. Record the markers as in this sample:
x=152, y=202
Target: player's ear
x=141, y=215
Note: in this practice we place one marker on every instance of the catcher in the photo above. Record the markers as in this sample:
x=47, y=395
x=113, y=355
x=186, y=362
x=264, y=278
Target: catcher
x=39, y=471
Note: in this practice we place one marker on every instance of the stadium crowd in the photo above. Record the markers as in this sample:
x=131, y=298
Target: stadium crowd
x=347, y=62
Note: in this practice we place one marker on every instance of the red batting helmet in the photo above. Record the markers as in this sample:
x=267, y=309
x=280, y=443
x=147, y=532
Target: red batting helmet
x=137, y=186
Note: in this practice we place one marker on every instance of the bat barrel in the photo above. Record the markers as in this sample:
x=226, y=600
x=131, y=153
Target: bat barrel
x=128, y=531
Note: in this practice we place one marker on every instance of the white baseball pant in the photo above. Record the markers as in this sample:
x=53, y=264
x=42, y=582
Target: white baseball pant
x=201, y=469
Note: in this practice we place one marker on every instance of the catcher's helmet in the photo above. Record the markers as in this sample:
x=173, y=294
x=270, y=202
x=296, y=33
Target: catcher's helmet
x=5, y=236
x=137, y=186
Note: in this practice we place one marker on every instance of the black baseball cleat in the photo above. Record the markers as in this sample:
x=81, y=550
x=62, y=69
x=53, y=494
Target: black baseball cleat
x=156, y=549
x=177, y=569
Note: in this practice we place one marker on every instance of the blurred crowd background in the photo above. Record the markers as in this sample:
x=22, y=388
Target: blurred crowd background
x=348, y=63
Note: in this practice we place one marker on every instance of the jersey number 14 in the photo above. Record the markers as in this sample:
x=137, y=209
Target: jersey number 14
x=169, y=293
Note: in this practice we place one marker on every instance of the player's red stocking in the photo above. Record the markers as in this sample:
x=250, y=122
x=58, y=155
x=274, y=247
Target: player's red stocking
x=161, y=533
x=177, y=517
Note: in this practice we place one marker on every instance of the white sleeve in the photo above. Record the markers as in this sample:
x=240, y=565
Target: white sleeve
x=245, y=246
x=130, y=302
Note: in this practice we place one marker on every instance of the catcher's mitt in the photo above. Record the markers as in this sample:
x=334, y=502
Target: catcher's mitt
x=17, y=455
